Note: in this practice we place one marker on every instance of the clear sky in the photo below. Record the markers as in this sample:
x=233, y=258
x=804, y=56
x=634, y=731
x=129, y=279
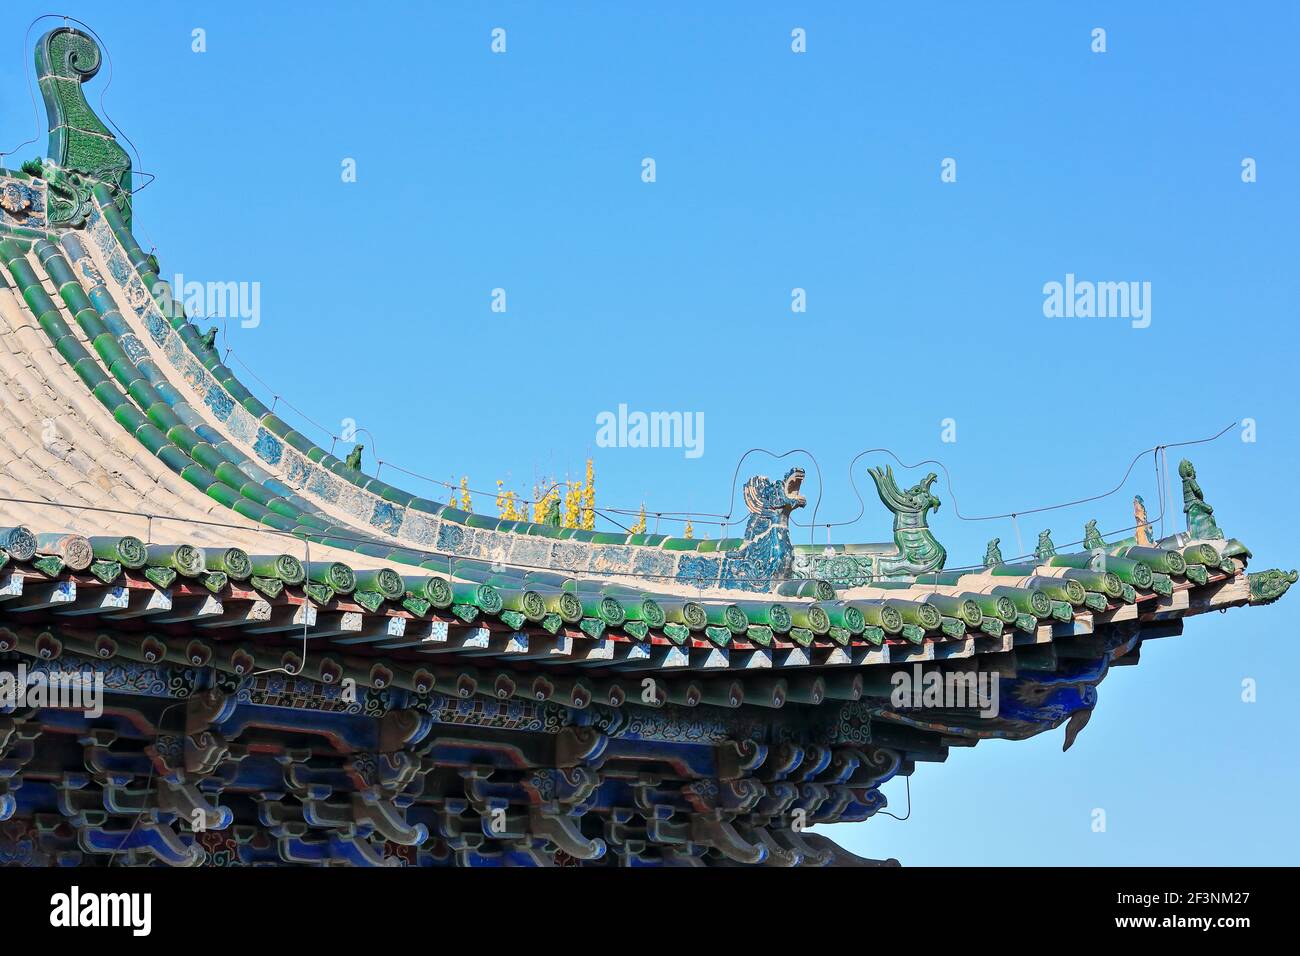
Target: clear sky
x=776, y=171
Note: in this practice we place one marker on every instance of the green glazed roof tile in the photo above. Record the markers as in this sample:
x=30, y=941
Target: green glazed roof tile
x=539, y=530
x=679, y=544
x=235, y=477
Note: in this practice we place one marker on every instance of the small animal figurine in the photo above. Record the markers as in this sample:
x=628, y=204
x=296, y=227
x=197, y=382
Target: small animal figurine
x=1045, y=547
x=1200, y=514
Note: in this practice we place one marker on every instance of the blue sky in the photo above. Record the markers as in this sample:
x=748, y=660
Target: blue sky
x=777, y=171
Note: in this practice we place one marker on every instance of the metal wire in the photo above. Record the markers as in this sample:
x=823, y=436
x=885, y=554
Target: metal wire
x=147, y=784
x=907, y=778
x=419, y=552
x=724, y=519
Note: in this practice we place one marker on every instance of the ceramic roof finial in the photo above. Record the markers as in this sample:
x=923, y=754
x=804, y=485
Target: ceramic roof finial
x=1200, y=514
x=80, y=144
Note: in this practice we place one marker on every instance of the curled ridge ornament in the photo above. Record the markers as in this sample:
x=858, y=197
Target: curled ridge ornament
x=80, y=144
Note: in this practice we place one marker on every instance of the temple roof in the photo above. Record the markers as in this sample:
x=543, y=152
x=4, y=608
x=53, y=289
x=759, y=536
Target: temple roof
x=138, y=460
x=241, y=613
x=153, y=510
